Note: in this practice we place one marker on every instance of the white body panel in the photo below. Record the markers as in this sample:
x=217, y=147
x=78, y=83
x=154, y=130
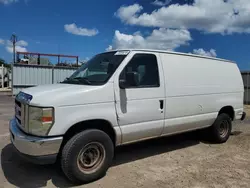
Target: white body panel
x=193, y=90
x=196, y=90
x=138, y=109
x=76, y=103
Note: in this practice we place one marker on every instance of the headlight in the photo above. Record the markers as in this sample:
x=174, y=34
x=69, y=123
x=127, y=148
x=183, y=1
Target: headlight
x=40, y=120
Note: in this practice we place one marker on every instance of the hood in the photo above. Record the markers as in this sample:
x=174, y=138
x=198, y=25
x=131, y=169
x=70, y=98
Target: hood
x=69, y=94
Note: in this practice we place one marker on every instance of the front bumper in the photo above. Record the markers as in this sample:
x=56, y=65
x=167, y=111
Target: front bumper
x=35, y=149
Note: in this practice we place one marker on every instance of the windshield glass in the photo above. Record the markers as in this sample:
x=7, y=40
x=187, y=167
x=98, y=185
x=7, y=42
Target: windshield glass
x=97, y=70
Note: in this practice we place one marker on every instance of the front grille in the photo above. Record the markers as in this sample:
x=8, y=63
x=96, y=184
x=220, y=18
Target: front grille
x=20, y=113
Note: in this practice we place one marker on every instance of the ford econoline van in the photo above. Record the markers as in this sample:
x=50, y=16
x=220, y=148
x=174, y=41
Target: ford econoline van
x=121, y=97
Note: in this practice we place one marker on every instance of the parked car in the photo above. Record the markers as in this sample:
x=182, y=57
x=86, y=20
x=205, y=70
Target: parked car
x=121, y=97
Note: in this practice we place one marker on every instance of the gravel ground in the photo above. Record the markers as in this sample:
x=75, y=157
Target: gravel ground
x=177, y=161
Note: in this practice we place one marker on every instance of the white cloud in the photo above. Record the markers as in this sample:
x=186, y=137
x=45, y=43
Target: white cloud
x=128, y=14
x=21, y=43
x=73, y=29
x=165, y=39
x=6, y=2
x=217, y=16
x=2, y=41
x=161, y=3
x=8, y=42
x=21, y=49
x=109, y=48
x=18, y=49
x=20, y=46
x=201, y=51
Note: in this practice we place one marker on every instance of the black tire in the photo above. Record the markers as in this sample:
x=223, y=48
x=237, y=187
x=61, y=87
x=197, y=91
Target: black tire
x=221, y=129
x=88, y=141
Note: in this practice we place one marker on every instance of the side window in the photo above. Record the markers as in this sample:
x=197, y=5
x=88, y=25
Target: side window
x=143, y=70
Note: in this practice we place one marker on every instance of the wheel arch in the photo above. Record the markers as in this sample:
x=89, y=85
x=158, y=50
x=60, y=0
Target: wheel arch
x=99, y=124
x=229, y=110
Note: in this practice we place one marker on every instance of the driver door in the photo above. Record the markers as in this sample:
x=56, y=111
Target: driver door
x=140, y=108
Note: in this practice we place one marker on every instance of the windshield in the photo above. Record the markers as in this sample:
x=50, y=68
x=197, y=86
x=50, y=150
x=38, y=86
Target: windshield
x=97, y=70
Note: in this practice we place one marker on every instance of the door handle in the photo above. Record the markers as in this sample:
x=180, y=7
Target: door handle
x=161, y=104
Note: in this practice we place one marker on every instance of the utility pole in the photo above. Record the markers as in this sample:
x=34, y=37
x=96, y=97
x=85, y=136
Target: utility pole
x=13, y=39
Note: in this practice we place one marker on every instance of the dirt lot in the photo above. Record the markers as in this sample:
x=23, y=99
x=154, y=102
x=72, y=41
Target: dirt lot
x=178, y=161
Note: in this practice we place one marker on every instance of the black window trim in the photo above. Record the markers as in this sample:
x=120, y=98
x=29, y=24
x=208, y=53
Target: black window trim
x=148, y=86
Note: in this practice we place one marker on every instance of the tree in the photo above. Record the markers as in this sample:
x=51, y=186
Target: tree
x=2, y=62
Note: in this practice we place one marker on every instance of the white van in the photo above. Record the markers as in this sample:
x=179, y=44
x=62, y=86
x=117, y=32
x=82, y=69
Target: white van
x=121, y=97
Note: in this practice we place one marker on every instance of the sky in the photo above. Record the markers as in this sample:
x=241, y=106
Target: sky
x=218, y=28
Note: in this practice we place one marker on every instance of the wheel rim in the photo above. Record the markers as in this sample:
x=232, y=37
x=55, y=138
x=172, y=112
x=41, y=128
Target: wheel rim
x=91, y=157
x=224, y=128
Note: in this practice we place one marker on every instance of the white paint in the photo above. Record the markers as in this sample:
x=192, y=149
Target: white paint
x=196, y=87
x=139, y=110
x=192, y=87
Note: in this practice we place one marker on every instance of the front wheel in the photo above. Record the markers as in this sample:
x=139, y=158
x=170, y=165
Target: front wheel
x=87, y=156
x=221, y=129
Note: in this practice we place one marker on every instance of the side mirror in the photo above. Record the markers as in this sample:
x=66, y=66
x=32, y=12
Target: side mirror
x=132, y=80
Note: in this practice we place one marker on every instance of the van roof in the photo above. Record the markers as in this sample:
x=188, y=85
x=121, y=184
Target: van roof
x=177, y=53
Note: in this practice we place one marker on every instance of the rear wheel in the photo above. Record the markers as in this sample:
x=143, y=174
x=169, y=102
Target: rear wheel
x=87, y=156
x=221, y=128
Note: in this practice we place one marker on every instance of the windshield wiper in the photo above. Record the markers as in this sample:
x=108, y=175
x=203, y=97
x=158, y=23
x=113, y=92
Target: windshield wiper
x=80, y=79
